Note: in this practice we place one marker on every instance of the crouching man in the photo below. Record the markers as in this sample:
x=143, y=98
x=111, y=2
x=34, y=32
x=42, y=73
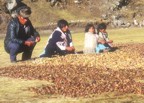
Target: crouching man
x=21, y=36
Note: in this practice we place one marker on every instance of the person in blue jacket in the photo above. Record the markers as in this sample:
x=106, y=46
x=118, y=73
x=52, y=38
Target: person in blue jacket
x=60, y=41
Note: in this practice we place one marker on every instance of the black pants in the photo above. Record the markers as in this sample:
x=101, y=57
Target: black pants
x=50, y=51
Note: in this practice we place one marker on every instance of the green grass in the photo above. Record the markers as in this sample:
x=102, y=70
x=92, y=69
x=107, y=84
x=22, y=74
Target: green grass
x=43, y=13
x=134, y=35
x=15, y=90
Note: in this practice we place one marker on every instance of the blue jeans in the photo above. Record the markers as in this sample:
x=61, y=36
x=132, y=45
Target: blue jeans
x=15, y=48
x=100, y=47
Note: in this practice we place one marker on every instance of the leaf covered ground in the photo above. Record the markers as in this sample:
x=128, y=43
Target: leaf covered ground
x=83, y=75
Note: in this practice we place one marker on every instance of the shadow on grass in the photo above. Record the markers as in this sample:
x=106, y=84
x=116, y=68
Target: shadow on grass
x=113, y=49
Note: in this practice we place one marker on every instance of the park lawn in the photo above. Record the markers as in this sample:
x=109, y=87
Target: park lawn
x=14, y=90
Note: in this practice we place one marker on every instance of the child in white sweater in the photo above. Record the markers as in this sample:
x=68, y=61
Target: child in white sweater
x=90, y=41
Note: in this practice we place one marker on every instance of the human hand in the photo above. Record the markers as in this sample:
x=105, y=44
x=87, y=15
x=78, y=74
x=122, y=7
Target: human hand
x=29, y=43
x=70, y=48
x=73, y=48
x=102, y=41
x=110, y=41
x=37, y=39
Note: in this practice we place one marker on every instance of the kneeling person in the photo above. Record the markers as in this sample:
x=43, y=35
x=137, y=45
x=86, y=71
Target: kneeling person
x=60, y=41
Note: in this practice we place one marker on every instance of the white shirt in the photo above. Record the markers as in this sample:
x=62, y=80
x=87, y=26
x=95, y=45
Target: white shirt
x=90, y=42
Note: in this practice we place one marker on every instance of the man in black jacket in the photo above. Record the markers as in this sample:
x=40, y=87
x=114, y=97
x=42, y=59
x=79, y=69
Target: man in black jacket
x=21, y=36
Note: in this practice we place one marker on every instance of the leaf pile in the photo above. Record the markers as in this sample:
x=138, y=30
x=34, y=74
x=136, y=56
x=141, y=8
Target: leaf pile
x=82, y=75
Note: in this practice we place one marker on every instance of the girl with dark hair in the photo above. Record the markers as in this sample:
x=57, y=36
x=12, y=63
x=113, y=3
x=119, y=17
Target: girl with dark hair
x=60, y=41
x=104, y=44
x=90, y=41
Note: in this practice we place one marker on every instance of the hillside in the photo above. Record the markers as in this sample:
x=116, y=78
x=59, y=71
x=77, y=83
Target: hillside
x=116, y=12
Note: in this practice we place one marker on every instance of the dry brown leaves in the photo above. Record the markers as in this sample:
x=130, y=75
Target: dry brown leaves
x=84, y=75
